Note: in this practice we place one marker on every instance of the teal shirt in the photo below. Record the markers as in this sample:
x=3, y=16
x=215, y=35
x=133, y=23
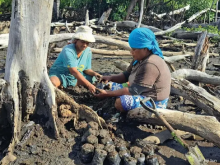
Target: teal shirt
x=68, y=59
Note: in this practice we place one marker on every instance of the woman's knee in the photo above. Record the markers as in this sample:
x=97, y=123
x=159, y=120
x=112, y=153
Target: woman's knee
x=55, y=81
x=118, y=105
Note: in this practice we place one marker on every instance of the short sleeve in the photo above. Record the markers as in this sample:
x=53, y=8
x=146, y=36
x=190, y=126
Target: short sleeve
x=69, y=59
x=89, y=60
x=147, y=75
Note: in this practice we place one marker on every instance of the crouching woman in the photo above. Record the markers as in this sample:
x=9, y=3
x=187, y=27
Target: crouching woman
x=73, y=65
x=147, y=76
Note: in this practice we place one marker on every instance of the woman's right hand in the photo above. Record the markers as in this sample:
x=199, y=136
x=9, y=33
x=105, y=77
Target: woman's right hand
x=92, y=88
x=106, y=79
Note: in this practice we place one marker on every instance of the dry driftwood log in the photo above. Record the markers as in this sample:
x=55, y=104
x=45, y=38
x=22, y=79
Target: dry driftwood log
x=101, y=51
x=172, y=12
x=193, y=25
x=172, y=44
x=57, y=24
x=104, y=17
x=199, y=96
x=132, y=24
x=167, y=53
x=195, y=75
x=99, y=39
x=207, y=127
x=201, y=53
x=191, y=35
x=123, y=65
x=177, y=55
x=175, y=58
x=177, y=26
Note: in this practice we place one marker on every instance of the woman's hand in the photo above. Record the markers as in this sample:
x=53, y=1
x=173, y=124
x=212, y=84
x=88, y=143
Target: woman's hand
x=92, y=88
x=98, y=76
x=106, y=79
x=101, y=93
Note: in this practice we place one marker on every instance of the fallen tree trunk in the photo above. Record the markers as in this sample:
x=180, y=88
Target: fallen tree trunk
x=167, y=53
x=132, y=24
x=173, y=59
x=106, y=40
x=172, y=12
x=207, y=127
x=99, y=39
x=194, y=25
x=177, y=55
x=177, y=26
x=199, y=96
x=191, y=35
x=195, y=75
x=58, y=24
x=101, y=51
x=172, y=44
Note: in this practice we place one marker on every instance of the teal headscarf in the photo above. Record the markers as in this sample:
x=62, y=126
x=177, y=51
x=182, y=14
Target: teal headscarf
x=144, y=38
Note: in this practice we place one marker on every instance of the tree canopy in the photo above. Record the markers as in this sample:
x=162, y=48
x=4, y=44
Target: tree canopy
x=119, y=7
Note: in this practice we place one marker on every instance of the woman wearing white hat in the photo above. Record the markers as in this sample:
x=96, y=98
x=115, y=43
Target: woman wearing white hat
x=73, y=65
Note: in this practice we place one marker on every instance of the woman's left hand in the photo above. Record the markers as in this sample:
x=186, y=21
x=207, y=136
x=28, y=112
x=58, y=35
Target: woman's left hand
x=98, y=76
x=101, y=93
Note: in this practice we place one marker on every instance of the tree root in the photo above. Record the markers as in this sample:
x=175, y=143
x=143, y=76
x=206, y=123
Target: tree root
x=82, y=111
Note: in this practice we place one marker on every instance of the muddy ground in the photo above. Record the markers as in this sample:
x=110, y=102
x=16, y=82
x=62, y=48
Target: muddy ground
x=42, y=149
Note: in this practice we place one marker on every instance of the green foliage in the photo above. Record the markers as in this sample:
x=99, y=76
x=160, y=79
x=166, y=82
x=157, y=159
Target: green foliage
x=119, y=7
x=5, y=6
x=97, y=7
x=209, y=28
x=195, y=6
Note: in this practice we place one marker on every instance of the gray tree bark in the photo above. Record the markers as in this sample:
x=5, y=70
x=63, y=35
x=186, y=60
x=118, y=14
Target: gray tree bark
x=26, y=70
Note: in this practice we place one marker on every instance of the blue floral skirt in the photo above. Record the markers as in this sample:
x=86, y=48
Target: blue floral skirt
x=130, y=102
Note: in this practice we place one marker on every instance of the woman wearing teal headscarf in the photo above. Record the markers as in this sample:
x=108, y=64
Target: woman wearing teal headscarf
x=147, y=75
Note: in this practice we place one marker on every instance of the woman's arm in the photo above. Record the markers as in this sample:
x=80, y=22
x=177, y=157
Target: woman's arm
x=120, y=92
x=81, y=78
x=118, y=78
x=91, y=72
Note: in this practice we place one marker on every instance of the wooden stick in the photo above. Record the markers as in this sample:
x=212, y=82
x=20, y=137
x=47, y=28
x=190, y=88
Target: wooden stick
x=195, y=75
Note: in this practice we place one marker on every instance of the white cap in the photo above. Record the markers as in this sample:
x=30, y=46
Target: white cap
x=84, y=33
